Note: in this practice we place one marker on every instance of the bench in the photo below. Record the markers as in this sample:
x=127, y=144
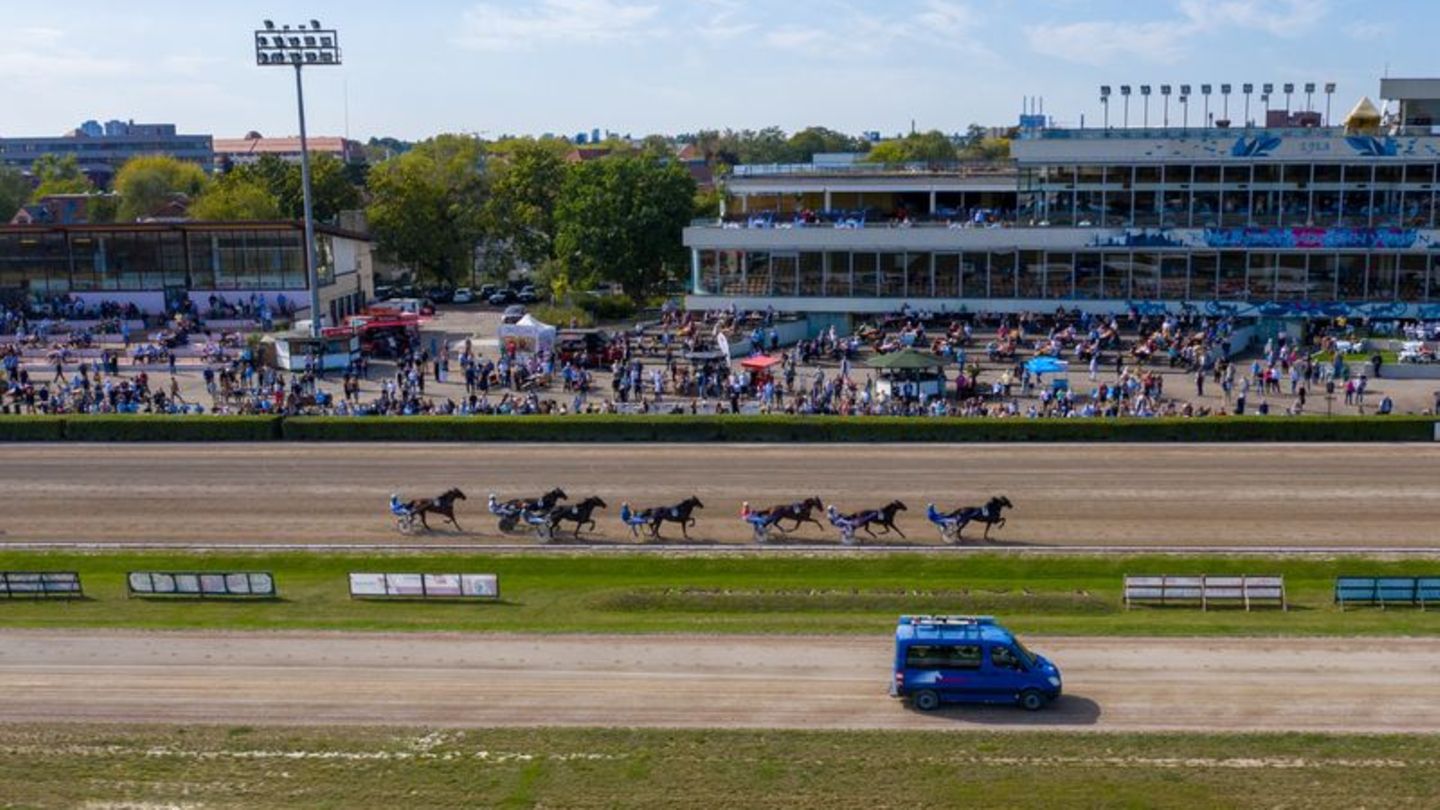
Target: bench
x=40, y=585
x=1206, y=590
x=1385, y=591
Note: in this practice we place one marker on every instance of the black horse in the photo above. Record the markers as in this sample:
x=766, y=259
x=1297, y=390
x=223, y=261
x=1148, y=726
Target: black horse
x=884, y=517
x=991, y=514
x=679, y=513
x=444, y=506
x=798, y=512
x=579, y=514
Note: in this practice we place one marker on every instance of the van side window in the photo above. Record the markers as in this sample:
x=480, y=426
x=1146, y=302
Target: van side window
x=934, y=656
x=1004, y=658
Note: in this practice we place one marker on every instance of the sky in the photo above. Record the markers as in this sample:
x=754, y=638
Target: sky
x=636, y=67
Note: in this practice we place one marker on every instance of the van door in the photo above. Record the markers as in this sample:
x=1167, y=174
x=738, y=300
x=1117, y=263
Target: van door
x=953, y=670
x=1005, y=674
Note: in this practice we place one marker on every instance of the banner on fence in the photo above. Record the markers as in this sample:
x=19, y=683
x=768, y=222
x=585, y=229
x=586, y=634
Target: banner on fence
x=203, y=584
x=40, y=584
x=425, y=586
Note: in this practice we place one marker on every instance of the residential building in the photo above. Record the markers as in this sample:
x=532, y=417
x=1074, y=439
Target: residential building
x=102, y=151
x=242, y=151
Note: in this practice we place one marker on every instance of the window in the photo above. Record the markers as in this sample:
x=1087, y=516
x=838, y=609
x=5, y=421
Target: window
x=1202, y=276
x=935, y=656
x=867, y=270
x=917, y=275
x=973, y=281
x=892, y=275
x=1002, y=275
x=837, y=275
x=785, y=268
x=947, y=275
x=1002, y=657
x=812, y=274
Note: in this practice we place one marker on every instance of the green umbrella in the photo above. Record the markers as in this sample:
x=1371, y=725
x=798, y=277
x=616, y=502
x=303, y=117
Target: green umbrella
x=906, y=360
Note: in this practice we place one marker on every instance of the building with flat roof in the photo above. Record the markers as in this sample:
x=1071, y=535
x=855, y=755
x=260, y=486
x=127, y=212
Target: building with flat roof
x=1308, y=221
x=242, y=151
x=101, y=151
x=150, y=264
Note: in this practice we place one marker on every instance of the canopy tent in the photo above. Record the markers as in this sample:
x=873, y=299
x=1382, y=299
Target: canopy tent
x=1364, y=119
x=906, y=360
x=527, y=336
x=760, y=362
x=1047, y=365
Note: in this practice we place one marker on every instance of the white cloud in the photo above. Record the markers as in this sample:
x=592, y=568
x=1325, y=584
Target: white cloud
x=1100, y=42
x=41, y=53
x=495, y=27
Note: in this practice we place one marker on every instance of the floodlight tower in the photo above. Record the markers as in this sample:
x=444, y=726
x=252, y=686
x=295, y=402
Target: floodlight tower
x=1289, y=89
x=1247, y=88
x=1165, y=93
x=1105, y=102
x=1185, y=106
x=1329, y=91
x=304, y=46
x=1145, y=94
x=1225, y=101
x=1309, y=94
x=1125, y=94
x=1205, y=94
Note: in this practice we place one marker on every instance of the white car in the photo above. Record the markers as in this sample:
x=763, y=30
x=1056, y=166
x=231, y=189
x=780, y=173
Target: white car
x=464, y=295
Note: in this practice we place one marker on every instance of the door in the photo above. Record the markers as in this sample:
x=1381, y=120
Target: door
x=1005, y=674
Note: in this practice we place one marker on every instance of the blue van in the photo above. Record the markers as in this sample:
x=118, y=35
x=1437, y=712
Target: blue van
x=968, y=659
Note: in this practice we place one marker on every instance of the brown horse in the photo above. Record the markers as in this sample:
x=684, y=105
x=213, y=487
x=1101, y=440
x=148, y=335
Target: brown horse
x=884, y=517
x=679, y=513
x=580, y=514
x=444, y=506
x=799, y=513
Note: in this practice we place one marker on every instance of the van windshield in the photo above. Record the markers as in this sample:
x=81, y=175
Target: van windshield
x=1026, y=657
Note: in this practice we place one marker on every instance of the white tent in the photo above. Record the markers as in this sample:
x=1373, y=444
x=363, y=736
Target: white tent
x=527, y=336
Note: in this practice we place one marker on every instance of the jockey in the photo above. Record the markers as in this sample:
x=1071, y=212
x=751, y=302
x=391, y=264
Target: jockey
x=396, y=506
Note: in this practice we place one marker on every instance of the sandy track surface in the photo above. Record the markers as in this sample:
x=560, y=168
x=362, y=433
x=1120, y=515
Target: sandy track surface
x=1114, y=495
x=1334, y=685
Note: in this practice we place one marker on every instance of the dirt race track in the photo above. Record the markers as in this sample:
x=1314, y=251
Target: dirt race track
x=1333, y=685
x=1260, y=496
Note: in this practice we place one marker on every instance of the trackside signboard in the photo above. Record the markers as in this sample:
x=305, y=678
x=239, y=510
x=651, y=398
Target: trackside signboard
x=424, y=586
x=202, y=584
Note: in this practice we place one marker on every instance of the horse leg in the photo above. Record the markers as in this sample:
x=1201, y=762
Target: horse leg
x=897, y=530
x=817, y=523
x=423, y=521
x=866, y=527
x=987, y=531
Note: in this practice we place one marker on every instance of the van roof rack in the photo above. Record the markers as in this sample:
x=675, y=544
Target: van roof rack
x=947, y=620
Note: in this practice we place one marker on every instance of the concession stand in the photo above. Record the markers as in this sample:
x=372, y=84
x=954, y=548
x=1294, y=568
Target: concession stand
x=909, y=374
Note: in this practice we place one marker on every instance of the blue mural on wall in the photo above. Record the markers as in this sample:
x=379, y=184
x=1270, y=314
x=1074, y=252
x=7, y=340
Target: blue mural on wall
x=1319, y=309
x=1371, y=146
x=1258, y=146
x=1316, y=238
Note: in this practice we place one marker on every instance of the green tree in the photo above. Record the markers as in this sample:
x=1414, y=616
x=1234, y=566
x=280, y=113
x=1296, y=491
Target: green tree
x=806, y=143
x=620, y=219
x=236, y=197
x=521, y=208
x=14, y=192
x=57, y=175
x=331, y=185
x=146, y=183
x=427, y=207
x=917, y=147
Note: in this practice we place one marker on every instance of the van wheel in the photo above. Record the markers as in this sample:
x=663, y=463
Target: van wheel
x=1032, y=701
x=927, y=700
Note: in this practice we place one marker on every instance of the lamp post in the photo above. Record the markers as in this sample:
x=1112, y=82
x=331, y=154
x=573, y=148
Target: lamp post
x=303, y=46
x=1329, y=91
x=1105, y=102
x=1185, y=106
x=1125, y=94
x=1145, y=94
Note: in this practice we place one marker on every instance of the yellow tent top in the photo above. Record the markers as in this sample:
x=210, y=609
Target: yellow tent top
x=1365, y=117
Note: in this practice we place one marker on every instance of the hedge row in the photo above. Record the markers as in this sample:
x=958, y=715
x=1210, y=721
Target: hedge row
x=707, y=429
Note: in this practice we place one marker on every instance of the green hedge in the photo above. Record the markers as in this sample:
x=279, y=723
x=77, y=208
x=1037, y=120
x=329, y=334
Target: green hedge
x=619, y=428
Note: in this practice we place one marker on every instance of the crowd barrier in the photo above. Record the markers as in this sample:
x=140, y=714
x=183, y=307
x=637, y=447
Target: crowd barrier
x=202, y=584
x=424, y=586
x=1205, y=590
x=1384, y=591
x=40, y=585
x=666, y=428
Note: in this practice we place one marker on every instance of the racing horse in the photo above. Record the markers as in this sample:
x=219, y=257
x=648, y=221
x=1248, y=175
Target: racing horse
x=679, y=513
x=442, y=505
x=579, y=514
x=799, y=513
x=884, y=517
x=991, y=514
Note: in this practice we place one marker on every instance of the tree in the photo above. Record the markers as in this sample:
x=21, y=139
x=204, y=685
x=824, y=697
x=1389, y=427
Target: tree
x=427, y=207
x=620, y=219
x=57, y=175
x=917, y=147
x=146, y=183
x=806, y=143
x=331, y=186
x=236, y=197
x=14, y=192
x=521, y=209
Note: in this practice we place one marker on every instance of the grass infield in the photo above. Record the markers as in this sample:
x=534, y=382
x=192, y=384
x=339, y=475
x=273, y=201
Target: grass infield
x=218, y=767
x=1053, y=595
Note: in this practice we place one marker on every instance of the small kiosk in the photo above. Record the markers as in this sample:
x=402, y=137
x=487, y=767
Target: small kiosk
x=909, y=374
x=334, y=350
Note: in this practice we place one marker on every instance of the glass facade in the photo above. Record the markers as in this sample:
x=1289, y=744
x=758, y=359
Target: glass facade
x=1260, y=195
x=1087, y=275
x=81, y=259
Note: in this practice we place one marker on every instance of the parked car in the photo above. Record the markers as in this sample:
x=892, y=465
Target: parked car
x=384, y=292
x=501, y=297
x=527, y=295
x=440, y=294
x=513, y=313
x=464, y=295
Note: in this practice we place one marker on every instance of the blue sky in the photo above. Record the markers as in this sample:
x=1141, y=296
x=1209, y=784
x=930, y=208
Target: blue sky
x=641, y=66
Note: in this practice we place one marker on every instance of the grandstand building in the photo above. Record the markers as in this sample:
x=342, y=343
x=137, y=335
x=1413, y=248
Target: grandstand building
x=1285, y=222
x=154, y=264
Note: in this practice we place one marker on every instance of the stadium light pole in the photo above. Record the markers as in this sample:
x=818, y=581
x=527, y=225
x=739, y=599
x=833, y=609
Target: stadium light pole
x=301, y=47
